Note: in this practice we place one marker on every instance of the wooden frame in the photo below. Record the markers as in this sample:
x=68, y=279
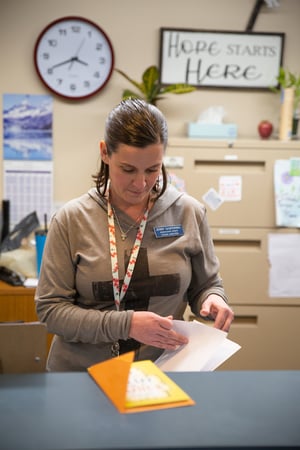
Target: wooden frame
x=220, y=59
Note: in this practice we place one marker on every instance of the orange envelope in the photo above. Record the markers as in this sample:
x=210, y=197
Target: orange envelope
x=137, y=386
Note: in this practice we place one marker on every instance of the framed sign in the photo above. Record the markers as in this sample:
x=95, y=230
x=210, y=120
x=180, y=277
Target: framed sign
x=222, y=59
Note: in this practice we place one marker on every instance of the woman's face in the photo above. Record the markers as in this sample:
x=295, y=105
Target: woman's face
x=133, y=172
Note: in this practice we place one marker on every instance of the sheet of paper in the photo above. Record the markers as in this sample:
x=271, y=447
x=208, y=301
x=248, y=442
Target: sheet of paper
x=284, y=271
x=208, y=347
x=224, y=352
x=213, y=199
x=230, y=188
x=31, y=282
x=287, y=191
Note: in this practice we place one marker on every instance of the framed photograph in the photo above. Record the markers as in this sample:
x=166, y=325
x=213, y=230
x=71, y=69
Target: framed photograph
x=220, y=59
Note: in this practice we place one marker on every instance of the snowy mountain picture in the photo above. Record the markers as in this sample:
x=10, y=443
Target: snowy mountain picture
x=27, y=127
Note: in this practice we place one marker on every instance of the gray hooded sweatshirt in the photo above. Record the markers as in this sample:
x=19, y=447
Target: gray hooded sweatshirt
x=176, y=266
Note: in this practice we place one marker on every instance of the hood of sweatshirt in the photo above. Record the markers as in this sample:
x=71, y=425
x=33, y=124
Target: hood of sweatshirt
x=169, y=197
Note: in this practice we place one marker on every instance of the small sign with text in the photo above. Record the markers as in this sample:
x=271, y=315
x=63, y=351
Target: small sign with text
x=220, y=59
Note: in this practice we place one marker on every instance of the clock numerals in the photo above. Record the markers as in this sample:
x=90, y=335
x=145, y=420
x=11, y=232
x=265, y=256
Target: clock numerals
x=74, y=57
x=73, y=86
x=73, y=28
x=62, y=32
x=52, y=43
x=76, y=28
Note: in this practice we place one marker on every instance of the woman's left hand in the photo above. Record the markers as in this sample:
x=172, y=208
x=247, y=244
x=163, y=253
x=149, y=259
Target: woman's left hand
x=215, y=307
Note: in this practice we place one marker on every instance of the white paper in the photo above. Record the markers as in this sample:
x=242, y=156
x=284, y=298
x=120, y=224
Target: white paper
x=213, y=114
x=287, y=192
x=31, y=282
x=224, y=352
x=213, y=199
x=284, y=258
x=230, y=188
x=207, y=348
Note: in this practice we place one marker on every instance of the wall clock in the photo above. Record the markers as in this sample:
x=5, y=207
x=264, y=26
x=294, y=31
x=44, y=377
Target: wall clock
x=74, y=57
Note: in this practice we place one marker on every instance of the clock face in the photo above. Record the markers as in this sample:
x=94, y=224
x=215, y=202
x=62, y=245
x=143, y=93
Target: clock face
x=74, y=57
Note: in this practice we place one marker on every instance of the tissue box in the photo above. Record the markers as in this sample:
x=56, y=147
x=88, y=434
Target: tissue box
x=212, y=130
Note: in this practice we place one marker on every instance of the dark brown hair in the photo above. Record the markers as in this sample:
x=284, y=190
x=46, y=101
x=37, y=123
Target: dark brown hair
x=136, y=123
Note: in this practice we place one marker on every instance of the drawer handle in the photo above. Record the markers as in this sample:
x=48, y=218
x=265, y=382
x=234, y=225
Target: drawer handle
x=245, y=320
x=238, y=243
x=217, y=165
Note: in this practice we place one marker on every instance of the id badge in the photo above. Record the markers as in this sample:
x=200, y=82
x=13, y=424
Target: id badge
x=168, y=231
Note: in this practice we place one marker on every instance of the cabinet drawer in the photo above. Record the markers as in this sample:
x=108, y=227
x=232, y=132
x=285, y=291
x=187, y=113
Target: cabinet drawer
x=203, y=167
x=243, y=255
x=269, y=338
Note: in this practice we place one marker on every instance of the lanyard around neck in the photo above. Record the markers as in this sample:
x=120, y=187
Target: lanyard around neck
x=120, y=293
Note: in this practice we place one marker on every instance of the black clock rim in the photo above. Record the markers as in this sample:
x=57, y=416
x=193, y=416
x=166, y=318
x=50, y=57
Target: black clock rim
x=82, y=19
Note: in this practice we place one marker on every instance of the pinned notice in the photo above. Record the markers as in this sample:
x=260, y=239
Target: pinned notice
x=230, y=188
x=287, y=192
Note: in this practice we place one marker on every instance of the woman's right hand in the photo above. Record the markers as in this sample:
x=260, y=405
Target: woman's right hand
x=151, y=329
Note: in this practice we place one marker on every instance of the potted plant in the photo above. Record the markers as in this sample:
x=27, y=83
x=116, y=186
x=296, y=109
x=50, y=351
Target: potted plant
x=287, y=79
x=150, y=88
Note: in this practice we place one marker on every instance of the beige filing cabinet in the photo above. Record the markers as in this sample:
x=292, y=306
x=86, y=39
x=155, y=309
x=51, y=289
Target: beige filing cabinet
x=267, y=328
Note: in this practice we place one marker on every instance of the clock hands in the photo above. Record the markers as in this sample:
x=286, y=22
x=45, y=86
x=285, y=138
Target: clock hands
x=72, y=60
x=75, y=58
x=61, y=63
x=80, y=61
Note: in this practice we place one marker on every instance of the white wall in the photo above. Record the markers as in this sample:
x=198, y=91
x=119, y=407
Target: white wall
x=133, y=27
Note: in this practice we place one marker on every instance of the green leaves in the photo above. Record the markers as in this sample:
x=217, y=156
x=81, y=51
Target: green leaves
x=150, y=88
x=287, y=79
x=178, y=89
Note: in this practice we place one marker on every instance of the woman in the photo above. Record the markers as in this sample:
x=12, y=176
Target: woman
x=123, y=260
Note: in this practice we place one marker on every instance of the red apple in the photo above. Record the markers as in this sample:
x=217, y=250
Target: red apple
x=265, y=129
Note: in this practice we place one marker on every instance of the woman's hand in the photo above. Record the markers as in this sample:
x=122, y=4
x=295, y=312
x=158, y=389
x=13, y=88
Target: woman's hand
x=151, y=329
x=218, y=309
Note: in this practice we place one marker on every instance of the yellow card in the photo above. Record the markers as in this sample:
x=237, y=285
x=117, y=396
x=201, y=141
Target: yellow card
x=137, y=386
